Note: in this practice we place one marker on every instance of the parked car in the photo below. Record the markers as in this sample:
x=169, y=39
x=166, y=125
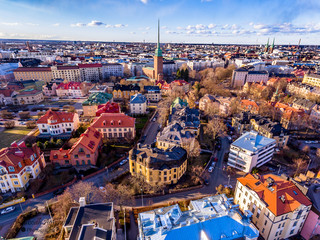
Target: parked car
x=58, y=192
x=213, y=164
x=210, y=169
x=206, y=182
x=123, y=162
x=215, y=159
x=7, y=210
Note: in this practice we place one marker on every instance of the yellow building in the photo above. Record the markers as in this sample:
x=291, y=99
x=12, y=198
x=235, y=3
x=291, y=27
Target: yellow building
x=158, y=166
x=312, y=79
x=39, y=73
x=125, y=91
x=270, y=129
x=28, y=96
x=19, y=164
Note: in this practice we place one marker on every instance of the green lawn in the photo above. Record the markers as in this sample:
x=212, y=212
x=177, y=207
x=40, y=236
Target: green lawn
x=10, y=135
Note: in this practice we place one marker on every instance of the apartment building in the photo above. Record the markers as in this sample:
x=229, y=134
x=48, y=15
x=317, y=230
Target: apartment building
x=250, y=150
x=50, y=89
x=124, y=92
x=19, y=164
x=72, y=90
x=312, y=79
x=90, y=72
x=90, y=221
x=158, y=166
x=84, y=152
x=27, y=73
x=279, y=208
x=213, y=217
x=28, y=96
x=57, y=124
x=115, y=126
x=241, y=76
x=138, y=104
x=68, y=73
x=153, y=93
x=111, y=69
x=91, y=105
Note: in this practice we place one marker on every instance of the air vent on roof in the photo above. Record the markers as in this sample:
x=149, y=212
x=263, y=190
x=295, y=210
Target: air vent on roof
x=282, y=198
x=295, y=193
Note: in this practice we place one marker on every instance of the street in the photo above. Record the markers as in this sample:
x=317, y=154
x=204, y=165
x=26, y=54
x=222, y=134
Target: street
x=151, y=130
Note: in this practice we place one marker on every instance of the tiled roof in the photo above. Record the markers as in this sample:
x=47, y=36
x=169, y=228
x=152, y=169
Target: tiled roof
x=113, y=120
x=109, y=107
x=90, y=139
x=67, y=67
x=281, y=198
x=33, y=69
x=60, y=117
x=97, y=99
x=138, y=99
x=11, y=156
x=6, y=92
x=69, y=85
x=59, y=155
x=27, y=92
x=90, y=65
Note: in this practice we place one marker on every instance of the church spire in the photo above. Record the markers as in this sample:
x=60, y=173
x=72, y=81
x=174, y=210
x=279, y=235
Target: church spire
x=158, y=52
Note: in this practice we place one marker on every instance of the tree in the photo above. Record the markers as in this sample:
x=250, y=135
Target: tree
x=7, y=115
x=215, y=128
x=192, y=147
x=224, y=190
x=31, y=124
x=24, y=115
x=178, y=74
x=306, y=150
x=9, y=124
x=127, y=71
x=299, y=164
x=91, y=193
x=196, y=172
x=59, y=143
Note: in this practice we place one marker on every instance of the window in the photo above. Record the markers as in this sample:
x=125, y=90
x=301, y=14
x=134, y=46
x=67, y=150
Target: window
x=263, y=230
x=279, y=225
x=265, y=223
x=295, y=223
x=258, y=213
x=76, y=156
x=19, y=164
x=276, y=234
x=11, y=169
x=16, y=183
x=291, y=232
x=88, y=155
x=283, y=224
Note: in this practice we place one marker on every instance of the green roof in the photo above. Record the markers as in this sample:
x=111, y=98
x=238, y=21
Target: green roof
x=97, y=98
x=179, y=101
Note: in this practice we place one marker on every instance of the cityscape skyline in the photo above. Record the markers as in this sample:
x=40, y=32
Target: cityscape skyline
x=183, y=21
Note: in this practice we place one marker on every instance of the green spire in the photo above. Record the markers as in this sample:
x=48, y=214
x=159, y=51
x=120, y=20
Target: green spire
x=267, y=46
x=158, y=52
x=273, y=44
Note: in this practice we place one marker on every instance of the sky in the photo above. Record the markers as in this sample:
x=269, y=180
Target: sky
x=182, y=21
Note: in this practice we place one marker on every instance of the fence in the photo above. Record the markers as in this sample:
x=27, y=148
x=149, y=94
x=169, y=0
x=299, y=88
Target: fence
x=13, y=202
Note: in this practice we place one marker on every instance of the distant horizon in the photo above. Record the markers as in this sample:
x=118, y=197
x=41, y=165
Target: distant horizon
x=125, y=42
x=249, y=22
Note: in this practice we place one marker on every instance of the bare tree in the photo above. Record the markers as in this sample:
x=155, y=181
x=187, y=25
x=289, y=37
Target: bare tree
x=192, y=147
x=24, y=115
x=196, y=172
x=87, y=190
x=9, y=124
x=215, y=128
x=31, y=124
x=299, y=164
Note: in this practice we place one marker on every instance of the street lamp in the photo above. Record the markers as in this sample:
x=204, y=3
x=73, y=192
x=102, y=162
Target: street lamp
x=142, y=197
x=279, y=166
x=228, y=180
x=310, y=159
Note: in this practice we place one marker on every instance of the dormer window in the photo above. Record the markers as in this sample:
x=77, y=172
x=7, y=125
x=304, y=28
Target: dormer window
x=119, y=122
x=11, y=169
x=20, y=165
x=32, y=157
x=111, y=122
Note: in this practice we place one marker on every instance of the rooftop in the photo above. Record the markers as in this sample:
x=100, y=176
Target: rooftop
x=252, y=141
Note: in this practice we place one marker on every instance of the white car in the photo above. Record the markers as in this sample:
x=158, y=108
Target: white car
x=123, y=162
x=213, y=164
x=210, y=169
x=7, y=210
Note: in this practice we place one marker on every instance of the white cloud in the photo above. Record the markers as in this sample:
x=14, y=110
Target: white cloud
x=144, y=1
x=2, y=34
x=78, y=25
x=10, y=23
x=164, y=27
x=211, y=25
x=56, y=24
x=109, y=26
x=179, y=28
x=132, y=32
x=148, y=28
x=95, y=23
x=32, y=24
x=119, y=25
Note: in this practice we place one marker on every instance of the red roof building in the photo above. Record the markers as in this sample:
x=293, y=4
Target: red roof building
x=18, y=164
x=84, y=152
x=115, y=126
x=109, y=107
x=55, y=123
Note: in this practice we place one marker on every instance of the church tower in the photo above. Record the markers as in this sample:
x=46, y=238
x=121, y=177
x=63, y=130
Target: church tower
x=158, y=59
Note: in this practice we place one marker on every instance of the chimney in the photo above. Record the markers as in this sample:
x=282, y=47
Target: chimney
x=82, y=201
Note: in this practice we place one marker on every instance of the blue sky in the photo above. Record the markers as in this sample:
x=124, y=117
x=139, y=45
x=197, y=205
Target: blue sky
x=190, y=21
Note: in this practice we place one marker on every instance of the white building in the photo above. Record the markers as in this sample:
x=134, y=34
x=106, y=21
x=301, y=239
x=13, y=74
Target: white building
x=68, y=73
x=243, y=75
x=90, y=72
x=251, y=150
x=55, y=123
x=214, y=217
x=138, y=104
x=111, y=69
x=279, y=208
